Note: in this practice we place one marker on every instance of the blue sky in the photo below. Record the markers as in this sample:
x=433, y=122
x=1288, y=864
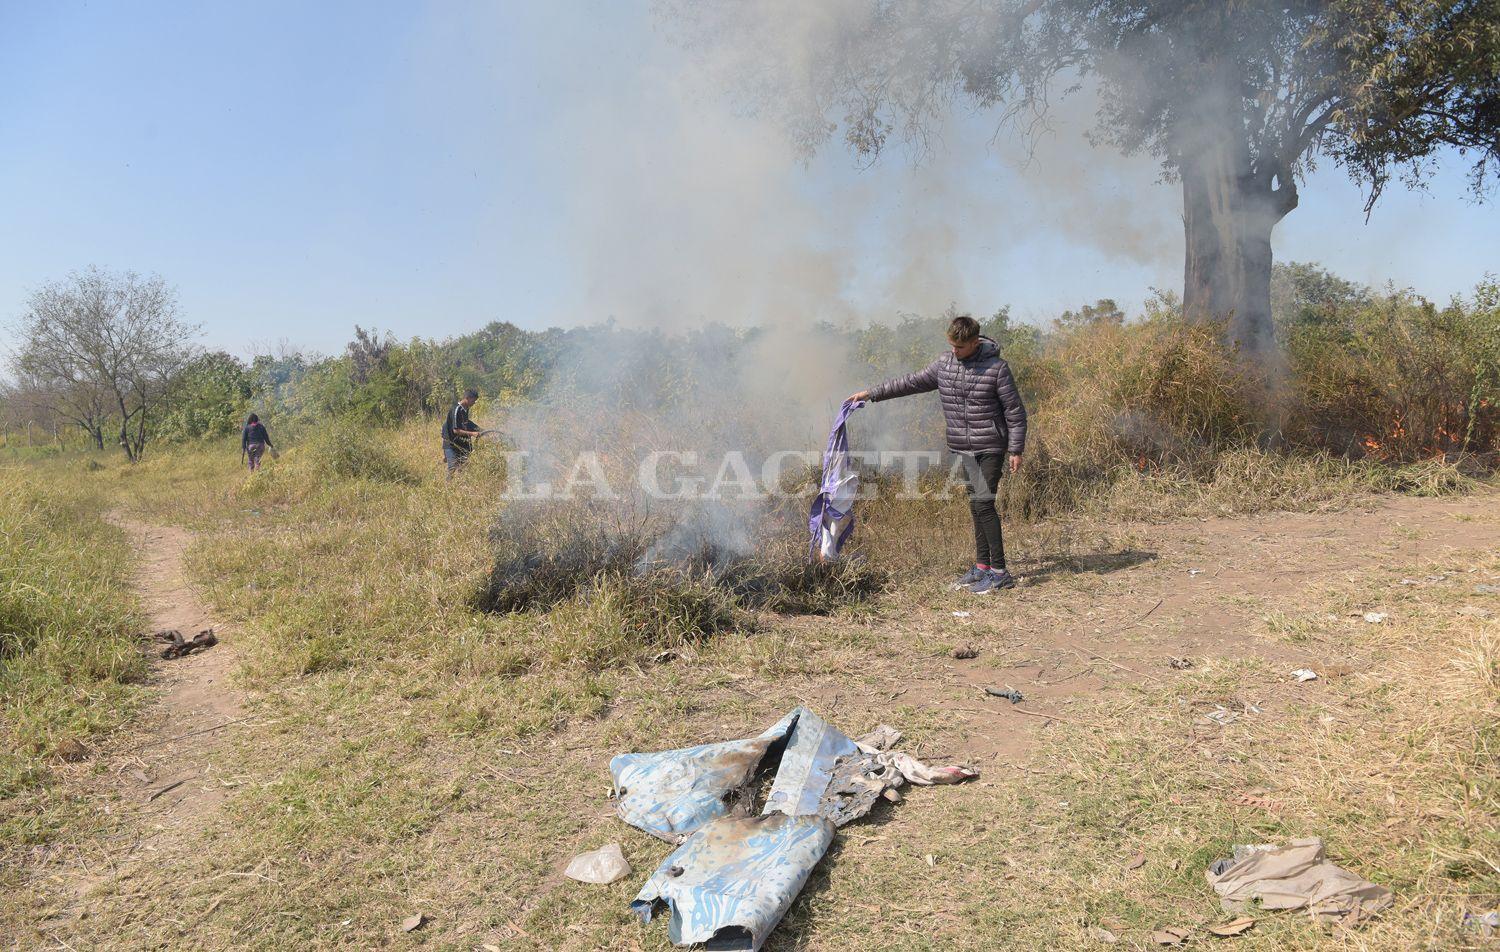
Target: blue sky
x=296, y=169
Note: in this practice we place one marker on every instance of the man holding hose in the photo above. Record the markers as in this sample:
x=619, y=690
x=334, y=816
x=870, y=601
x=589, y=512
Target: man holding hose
x=986, y=427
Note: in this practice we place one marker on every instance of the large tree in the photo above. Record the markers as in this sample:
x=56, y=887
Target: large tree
x=99, y=335
x=1236, y=97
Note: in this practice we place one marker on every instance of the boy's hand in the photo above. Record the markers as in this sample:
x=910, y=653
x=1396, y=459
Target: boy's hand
x=856, y=397
x=1015, y=462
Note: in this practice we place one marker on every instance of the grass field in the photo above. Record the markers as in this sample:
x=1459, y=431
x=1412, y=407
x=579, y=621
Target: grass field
x=402, y=752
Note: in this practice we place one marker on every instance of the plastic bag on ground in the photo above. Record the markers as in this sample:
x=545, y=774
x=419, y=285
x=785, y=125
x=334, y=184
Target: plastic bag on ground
x=605, y=865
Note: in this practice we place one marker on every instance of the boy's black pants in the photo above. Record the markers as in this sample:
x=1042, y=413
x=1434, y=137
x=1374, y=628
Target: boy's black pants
x=983, y=472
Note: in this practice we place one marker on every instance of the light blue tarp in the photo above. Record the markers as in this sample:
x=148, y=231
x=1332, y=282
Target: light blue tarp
x=673, y=793
x=735, y=876
x=732, y=881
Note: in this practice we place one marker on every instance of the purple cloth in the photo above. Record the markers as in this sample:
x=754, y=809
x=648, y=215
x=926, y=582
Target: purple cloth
x=832, y=519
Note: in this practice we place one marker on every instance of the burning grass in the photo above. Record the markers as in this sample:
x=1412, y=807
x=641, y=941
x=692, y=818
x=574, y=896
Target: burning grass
x=656, y=578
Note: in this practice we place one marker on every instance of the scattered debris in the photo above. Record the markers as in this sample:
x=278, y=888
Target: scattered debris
x=931, y=860
x=1136, y=861
x=603, y=866
x=1257, y=798
x=1475, y=611
x=1222, y=716
x=71, y=750
x=1180, y=664
x=1192, y=572
x=1232, y=927
x=177, y=647
x=1294, y=876
x=1172, y=935
x=1410, y=581
x=1305, y=674
x=1101, y=934
x=1437, y=578
x=734, y=875
x=1375, y=618
x=961, y=614
x=883, y=737
x=166, y=789
x=1010, y=694
x=965, y=653
x=1487, y=924
x=1487, y=590
x=413, y=923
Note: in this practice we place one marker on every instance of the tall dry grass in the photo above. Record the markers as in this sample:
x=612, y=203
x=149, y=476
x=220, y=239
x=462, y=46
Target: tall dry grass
x=69, y=626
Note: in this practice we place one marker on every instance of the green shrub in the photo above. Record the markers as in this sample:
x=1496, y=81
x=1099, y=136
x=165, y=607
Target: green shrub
x=349, y=450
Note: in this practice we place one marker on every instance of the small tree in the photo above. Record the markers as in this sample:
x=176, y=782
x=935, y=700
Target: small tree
x=77, y=402
x=209, y=398
x=111, y=337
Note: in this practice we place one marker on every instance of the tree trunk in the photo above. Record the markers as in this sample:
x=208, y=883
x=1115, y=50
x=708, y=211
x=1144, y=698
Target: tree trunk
x=1228, y=211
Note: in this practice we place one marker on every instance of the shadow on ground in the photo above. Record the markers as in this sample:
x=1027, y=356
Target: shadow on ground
x=1098, y=563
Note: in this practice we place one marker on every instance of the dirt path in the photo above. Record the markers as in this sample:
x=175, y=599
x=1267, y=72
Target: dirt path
x=153, y=788
x=182, y=728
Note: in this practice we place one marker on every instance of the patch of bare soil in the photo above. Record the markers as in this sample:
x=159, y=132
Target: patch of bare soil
x=1159, y=600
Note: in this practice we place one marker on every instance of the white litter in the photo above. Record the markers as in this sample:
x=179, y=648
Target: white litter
x=960, y=614
x=603, y=866
x=1195, y=571
x=1305, y=674
x=1375, y=618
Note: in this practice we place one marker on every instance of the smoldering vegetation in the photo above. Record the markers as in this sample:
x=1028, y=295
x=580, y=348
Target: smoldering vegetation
x=550, y=553
x=664, y=445
x=1138, y=415
x=1142, y=417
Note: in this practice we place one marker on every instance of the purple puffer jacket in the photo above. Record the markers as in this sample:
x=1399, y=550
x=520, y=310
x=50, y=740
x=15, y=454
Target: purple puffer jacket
x=981, y=406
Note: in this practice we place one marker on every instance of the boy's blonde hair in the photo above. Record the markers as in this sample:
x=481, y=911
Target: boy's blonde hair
x=962, y=329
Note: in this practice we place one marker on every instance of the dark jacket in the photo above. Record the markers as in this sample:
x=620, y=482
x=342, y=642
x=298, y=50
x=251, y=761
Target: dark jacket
x=254, y=433
x=981, y=406
x=457, y=419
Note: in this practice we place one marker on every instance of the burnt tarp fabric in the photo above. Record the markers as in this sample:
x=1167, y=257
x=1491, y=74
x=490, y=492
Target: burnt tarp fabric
x=732, y=881
x=672, y=793
x=831, y=521
x=813, y=749
x=734, y=876
x=1294, y=876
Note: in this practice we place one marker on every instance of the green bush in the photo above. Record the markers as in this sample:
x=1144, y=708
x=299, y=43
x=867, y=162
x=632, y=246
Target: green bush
x=351, y=450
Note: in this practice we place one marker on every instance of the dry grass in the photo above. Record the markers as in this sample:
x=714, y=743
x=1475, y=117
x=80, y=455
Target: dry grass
x=413, y=754
x=68, y=632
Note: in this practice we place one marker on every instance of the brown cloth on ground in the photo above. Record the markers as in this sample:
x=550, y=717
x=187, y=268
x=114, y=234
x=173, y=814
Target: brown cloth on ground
x=1294, y=876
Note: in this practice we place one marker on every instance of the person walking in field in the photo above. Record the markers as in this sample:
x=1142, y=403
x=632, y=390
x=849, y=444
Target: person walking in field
x=459, y=432
x=986, y=427
x=254, y=441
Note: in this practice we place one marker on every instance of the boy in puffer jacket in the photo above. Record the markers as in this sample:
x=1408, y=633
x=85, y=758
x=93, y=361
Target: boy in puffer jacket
x=986, y=426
